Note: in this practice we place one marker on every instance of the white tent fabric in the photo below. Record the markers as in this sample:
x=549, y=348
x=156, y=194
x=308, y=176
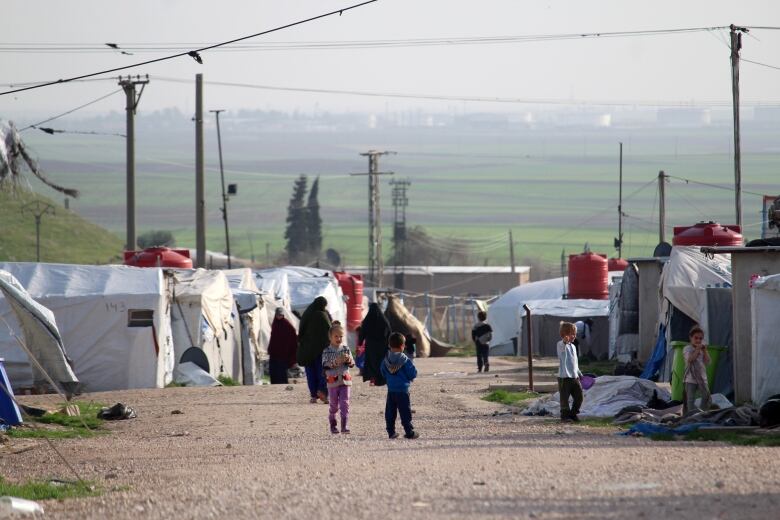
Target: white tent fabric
x=255, y=323
x=569, y=308
x=504, y=314
x=274, y=282
x=687, y=275
x=96, y=308
x=765, y=302
x=203, y=316
x=304, y=284
x=42, y=339
x=607, y=396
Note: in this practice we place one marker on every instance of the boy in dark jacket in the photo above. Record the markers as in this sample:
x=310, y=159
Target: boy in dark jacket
x=399, y=371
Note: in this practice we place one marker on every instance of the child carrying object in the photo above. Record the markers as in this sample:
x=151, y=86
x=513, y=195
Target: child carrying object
x=696, y=358
x=569, y=373
x=399, y=371
x=337, y=360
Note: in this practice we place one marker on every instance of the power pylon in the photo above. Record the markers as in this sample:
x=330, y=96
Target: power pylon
x=400, y=202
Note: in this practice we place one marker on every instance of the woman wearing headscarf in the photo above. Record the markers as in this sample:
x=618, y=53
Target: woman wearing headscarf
x=312, y=340
x=375, y=331
x=281, y=348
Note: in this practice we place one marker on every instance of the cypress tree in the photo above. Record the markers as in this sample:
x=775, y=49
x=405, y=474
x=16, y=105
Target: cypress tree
x=296, y=222
x=313, y=221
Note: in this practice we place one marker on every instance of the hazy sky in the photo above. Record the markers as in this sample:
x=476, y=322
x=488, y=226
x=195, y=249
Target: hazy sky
x=685, y=67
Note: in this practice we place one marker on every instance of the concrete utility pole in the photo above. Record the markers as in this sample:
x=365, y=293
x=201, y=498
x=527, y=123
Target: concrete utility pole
x=200, y=190
x=619, y=241
x=132, y=99
x=38, y=209
x=661, y=207
x=375, y=262
x=511, y=251
x=400, y=202
x=224, y=195
x=736, y=46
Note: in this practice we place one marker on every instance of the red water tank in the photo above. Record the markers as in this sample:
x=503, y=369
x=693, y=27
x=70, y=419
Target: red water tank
x=588, y=276
x=352, y=287
x=707, y=234
x=617, y=264
x=159, y=257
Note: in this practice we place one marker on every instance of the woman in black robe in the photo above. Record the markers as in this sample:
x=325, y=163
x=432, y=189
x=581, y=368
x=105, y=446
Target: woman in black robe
x=375, y=330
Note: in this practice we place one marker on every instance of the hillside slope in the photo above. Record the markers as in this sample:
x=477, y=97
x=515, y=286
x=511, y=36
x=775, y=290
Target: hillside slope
x=65, y=237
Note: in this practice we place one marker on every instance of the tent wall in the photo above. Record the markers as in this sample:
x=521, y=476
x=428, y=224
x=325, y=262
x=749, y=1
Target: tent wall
x=766, y=349
x=546, y=335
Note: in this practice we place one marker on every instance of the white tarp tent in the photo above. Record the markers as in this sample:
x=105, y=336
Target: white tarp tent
x=686, y=277
x=42, y=339
x=255, y=323
x=765, y=303
x=304, y=284
x=504, y=315
x=203, y=316
x=113, y=319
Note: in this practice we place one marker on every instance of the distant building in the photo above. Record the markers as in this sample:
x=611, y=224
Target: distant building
x=456, y=280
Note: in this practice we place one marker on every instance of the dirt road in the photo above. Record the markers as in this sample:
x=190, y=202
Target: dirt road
x=265, y=452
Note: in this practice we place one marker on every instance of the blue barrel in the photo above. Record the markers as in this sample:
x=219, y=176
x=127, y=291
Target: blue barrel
x=9, y=412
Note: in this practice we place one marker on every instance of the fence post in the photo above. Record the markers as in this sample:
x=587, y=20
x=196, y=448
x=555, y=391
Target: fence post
x=530, y=348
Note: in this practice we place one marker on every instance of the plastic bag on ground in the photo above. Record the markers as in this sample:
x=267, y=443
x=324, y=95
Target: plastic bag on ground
x=190, y=374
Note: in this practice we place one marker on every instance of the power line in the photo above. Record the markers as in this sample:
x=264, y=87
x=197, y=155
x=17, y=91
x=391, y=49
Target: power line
x=101, y=98
x=717, y=186
x=195, y=54
x=522, y=101
x=762, y=64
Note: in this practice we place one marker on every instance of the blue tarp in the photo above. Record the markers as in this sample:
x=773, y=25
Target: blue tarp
x=656, y=361
x=648, y=429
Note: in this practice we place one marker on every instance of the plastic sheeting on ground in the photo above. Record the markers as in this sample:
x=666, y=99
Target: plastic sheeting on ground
x=607, y=396
x=765, y=302
x=190, y=374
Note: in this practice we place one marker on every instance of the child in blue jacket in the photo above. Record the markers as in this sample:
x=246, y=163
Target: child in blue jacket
x=399, y=371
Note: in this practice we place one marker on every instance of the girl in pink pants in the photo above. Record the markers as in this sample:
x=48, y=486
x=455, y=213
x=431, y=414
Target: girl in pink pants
x=337, y=360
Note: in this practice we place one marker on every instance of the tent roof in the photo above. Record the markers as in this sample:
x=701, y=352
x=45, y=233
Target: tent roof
x=69, y=280
x=569, y=308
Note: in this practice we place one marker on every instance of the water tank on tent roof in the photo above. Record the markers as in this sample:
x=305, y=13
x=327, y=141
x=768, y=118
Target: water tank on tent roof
x=352, y=287
x=159, y=257
x=617, y=264
x=588, y=276
x=707, y=234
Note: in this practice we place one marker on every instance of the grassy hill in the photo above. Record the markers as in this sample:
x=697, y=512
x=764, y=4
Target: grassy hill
x=65, y=237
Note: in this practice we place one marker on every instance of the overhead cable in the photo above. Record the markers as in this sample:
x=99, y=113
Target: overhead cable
x=195, y=53
x=101, y=98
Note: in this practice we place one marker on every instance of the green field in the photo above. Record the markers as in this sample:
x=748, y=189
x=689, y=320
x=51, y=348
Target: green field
x=556, y=190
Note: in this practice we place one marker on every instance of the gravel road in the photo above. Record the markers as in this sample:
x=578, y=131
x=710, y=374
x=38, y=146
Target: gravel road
x=265, y=452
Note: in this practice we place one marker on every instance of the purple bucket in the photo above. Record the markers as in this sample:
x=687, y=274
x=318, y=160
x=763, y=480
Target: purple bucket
x=587, y=382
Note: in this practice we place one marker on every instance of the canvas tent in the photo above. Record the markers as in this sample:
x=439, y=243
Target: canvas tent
x=504, y=315
x=765, y=363
x=113, y=319
x=255, y=323
x=204, y=315
x=303, y=285
x=42, y=342
x=546, y=316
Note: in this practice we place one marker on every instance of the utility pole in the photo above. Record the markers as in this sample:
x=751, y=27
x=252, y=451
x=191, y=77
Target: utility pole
x=661, y=207
x=400, y=202
x=38, y=209
x=619, y=240
x=200, y=190
x=224, y=195
x=736, y=46
x=375, y=262
x=131, y=104
x=511, y=251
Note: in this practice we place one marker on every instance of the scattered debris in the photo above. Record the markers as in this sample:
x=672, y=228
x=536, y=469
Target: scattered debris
x=70, y=410
x=289, y=387
x=117, y=412
x=179, y=434
x=12, y=506
x=177, y=412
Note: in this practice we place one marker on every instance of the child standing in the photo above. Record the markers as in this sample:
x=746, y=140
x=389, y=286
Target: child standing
x=482, y=333
x=696, y=359
x=569, y=373
x=399, y=371
x=337, y=360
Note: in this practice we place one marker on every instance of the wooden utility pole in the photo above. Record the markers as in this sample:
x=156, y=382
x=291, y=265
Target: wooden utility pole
x=200, y=190
x=511, y=251
x=661, y=207
x=224, y=195
x=131, y=104
x=736, y=46
x=38, y=209
x=375, y=261
x=620, y=207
